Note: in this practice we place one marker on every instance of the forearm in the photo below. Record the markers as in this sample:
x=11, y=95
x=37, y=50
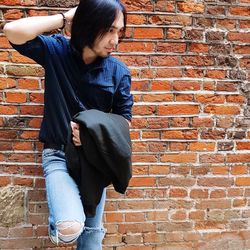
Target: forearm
x=25, y=29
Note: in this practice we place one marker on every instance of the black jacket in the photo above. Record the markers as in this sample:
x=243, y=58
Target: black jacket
x=103, y=158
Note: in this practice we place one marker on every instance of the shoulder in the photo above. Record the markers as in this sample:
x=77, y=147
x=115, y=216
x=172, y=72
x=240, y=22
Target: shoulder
x=55, y=43
x=112, y=62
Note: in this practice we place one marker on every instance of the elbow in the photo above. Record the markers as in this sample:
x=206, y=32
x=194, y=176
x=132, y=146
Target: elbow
x=6, y=29
x=13, y=33
x=9, y=31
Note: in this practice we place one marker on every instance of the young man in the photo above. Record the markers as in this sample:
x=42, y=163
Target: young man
x=79, y=74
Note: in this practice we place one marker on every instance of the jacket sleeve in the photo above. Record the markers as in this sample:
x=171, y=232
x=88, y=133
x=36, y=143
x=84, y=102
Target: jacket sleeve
x=123, y=99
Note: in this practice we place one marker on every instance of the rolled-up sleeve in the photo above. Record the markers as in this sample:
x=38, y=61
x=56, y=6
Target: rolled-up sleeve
x=33, y=49
x=123, y=99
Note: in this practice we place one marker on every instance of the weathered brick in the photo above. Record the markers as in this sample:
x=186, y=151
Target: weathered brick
x=189, y=62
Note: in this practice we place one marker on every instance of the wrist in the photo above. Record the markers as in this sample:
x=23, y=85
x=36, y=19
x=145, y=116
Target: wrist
x=64, y=20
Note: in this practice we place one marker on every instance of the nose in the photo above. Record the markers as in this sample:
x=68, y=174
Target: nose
x=115, y=39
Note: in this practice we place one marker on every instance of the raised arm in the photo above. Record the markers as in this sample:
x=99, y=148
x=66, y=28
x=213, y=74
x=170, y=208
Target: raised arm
x=25, y=29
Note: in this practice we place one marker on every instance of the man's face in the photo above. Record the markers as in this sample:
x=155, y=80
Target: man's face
x=105, y=45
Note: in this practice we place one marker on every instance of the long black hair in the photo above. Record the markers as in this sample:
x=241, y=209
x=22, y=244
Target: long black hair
x=93, y=18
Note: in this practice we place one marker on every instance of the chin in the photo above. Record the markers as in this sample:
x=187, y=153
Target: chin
x=105, y=55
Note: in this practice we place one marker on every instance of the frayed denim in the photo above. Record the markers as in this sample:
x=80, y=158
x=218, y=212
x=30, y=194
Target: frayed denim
x=65, y=206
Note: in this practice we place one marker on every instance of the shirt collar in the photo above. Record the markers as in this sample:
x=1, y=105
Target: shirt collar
x=98, y=64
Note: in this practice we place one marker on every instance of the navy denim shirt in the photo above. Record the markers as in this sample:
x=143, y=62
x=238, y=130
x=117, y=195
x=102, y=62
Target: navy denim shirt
x=72, y=86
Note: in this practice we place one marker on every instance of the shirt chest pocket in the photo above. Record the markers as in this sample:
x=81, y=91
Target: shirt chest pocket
x=100, y=90
x=101, y=81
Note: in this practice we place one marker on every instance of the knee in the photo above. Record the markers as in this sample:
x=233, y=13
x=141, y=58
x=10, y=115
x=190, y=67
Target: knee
x=69, y=230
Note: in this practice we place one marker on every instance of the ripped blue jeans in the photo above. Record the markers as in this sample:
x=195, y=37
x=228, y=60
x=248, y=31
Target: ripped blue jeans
x=67, y=221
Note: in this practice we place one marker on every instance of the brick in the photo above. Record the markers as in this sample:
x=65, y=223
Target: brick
x=239, y=11
x=215, y=182
x=148, y=33
x=238, y=36
x=209, y=225
x=211, y=158
x=36, y=98
x=28, y=84
x=135, y=60
x=194, y=34
x=164, y=61
x=13, y=14
x=162, y=5
x=178, y=109
x=24, y=71
x=198, y=47
x=5, y=180
x=218, y=194
x=197, y=215
x=136, y=228
x=244, y=24
x=173, y=20
x=140, y=5
x=178, y=192
x=151, y=135
x=215, y=36
x=243, y=145
x=177, y=181
x=220, y=170
x=243, y=158
x=171, y=47
x=179, y=122
x=177, y=134
x=202, y=146
x=179, y=216
x=239, y=202
x=159, y=170
x=242, y=49
x=245, y=63
x=31, y=110
x=222, y=110
x=157, y=98
x=216, y=10
x=15, y=97
x=197, y=61
x=226, y=23
x=209, y=98
x=4, y=43
x=161, y=85
x=7, y=83
x=175, y=146
x=191, y=7
x=242, y=181
x=142, y=182
x=174, y=226
x=199, y=193
x=214, y=204
x=202, y=122
x=174, y=33
x=136, y=46
x=136, y=19
x=216, y=74
x=4, y=56
x=193, y=73
x=144, y=158
x=28, y=182
x=16, y=57
x=37, y=13
x=186, y=85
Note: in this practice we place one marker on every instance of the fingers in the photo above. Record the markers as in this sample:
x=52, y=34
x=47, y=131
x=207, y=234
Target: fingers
x=75, y=133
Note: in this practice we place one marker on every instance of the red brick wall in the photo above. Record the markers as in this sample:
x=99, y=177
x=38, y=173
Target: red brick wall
x=191, y=138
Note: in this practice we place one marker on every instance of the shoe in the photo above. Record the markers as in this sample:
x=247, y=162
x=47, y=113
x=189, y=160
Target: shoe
x=54, y=239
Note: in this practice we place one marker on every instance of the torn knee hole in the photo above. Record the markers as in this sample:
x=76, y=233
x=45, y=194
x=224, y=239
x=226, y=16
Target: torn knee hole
x=69, y=228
